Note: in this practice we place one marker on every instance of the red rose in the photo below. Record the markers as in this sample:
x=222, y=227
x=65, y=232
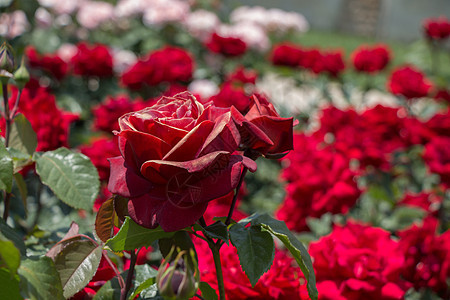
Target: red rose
x=228, y=46
x=232, y=94
x=437, y=28
x=107, y=113
x=262, y=129
x=442, y=95
x=358, y=262
x=428, y=201
x=437, y=157
x=408, y=82
x=169, y=64
x=370, y=59
x=287, y=55
x=427, y=257
x=92, y=60
x=49, y=122
x=50, y=63
x=243, y=75
x=177, y=156
x=310, y=58
x=320, y=181
x=330, y=62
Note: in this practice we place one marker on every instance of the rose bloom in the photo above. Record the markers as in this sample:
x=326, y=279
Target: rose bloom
x=437, y=157
x=286, y=55
x=228, y=46
x=439, y=124
x=243, y=75
x=92, y=60
x=319, y=181
x=107, y=112
x=427, y=257
x=176, y=156
x=169, y=64
x=427, y=201
x=49, y=122
x=442, y=95
x=358, y=262
x=437, y=28
x=370, y=59
x=50, y=63
x=98, y=150
x=280, y=282
x=330, y=62
x=232, y=93
x=408, y=82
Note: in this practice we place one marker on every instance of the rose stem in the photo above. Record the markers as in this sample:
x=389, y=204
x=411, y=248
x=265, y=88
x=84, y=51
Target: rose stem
x=16, y=105
x=124, y=293
x=215, y=249
x=233, y=204
x=7, y=196
x=119, y=278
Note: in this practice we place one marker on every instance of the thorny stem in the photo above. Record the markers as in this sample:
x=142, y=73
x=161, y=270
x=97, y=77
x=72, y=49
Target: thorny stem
x=119, y=278
x=124, y=292
x=233, y=203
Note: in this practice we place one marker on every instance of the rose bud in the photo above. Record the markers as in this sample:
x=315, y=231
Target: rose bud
x=6, y=62
x=178, y=279
x=21, y=76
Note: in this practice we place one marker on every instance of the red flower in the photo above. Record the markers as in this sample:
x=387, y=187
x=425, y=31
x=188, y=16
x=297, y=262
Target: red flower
x=370, y=59
x=50, y=63
x=437, y=28
x=310, y=58
x=427, y=201
x=169, y=64
x=98, y=151
x=243, y=75
x=358, y=262
x=330, y=62
x=320, y=181
x=408, y=82
x=177, y=155
x=437, y=157
x=107, y=113
x=287, y=55
x=281, y=282
x=232, y=94
x=262, y=129
x=442, y=95
x=427, y=257
x=228, y=46
x=49, y=122
x=92, y=60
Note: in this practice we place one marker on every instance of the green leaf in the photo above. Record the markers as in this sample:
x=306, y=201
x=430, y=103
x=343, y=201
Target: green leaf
x=280, y=230
x=9, y=285
x=40, y=280
x=207, y=291
x=150, y=293
x=111, y=289
x=22, y=186
x=6, y=169
x=145, y=278
x=9, y=254
x=22, y=136
x=181, y=240
x=71, y=176
x=132, y=236
x=20, y=160
x=12, y=235
x=218, y=230
x=255, y=248
x=77, y=264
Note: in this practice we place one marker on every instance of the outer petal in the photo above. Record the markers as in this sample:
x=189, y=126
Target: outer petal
x=279, y=130
x=124, y=181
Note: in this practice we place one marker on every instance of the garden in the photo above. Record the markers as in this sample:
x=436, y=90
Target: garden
x=172, y=149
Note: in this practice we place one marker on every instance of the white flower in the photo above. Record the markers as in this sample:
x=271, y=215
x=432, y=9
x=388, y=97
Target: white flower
x=13, y=24
x=201, y=23
x=128, y=8
x=66, y=52
x=123, y=59
x=203, y=87
x=165, y=11
x=93, y=13
x=61, y=6
x=43, y=17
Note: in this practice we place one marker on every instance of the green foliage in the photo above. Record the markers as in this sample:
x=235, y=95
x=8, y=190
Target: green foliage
x=70, y=175
x=217, y=230
x=6, y=169
x=255, y=248
x=77, y=264
x=295, y=247
x=13, y=236
x=39, y=279
x=9, y=285
x=207, y=291
x=111, y=289
x=145, y=279
x=22, y=136
x=9, y=255
x=132, y=236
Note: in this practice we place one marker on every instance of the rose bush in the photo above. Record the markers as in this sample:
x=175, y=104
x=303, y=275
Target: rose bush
x=176, y=156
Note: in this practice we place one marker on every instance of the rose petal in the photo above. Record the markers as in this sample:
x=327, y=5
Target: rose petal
x=124, y=182
x=187, y=148
x=224, y=136
x=279, y=130
x=170, y=134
